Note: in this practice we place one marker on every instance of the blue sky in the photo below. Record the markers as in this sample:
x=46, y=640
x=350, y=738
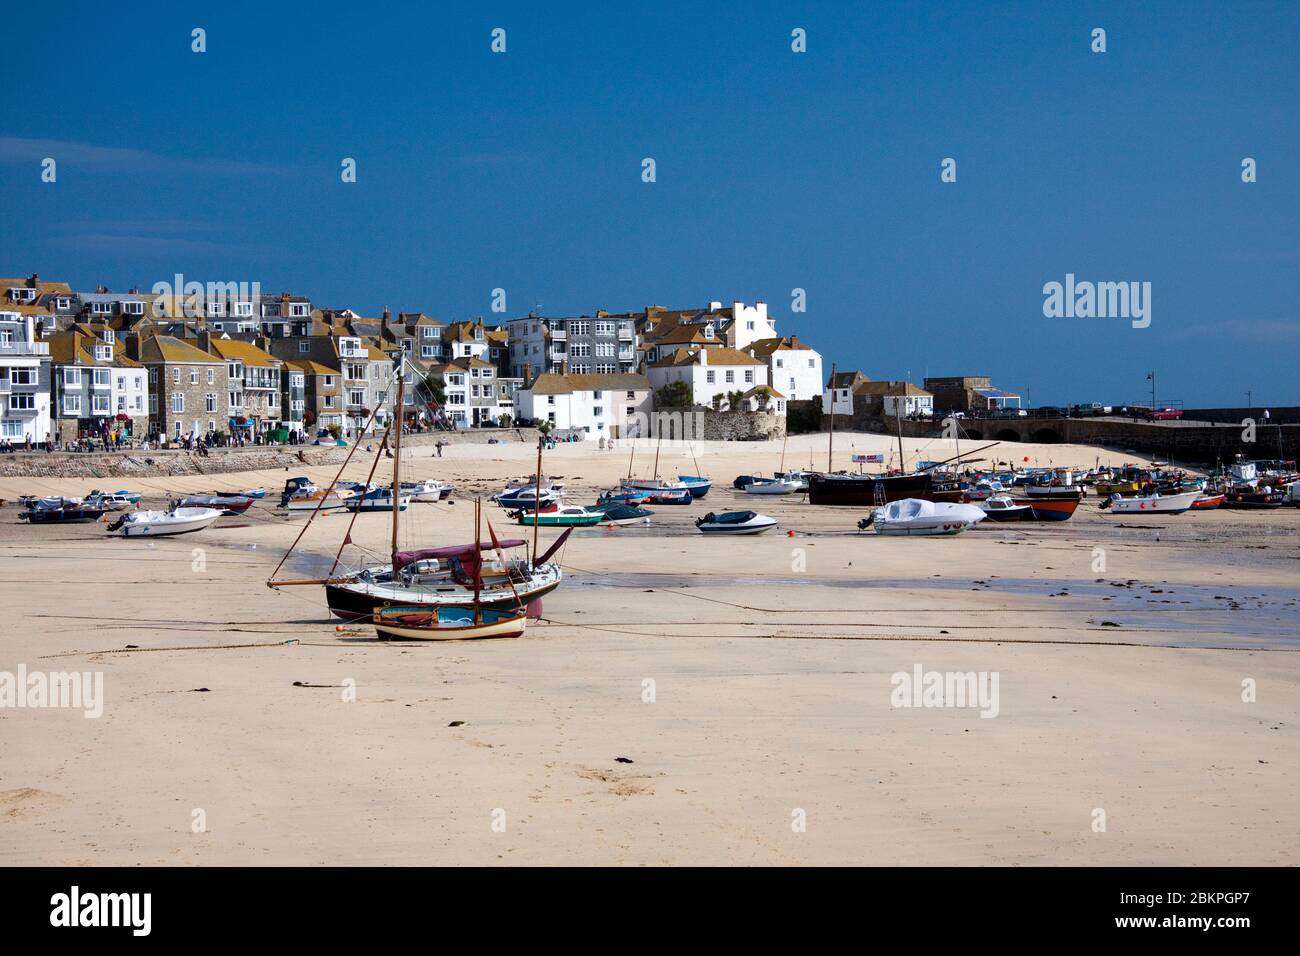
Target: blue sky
x=775, y=170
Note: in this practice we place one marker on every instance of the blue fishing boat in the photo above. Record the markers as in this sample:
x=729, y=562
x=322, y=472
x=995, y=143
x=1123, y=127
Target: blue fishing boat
x=697, y=486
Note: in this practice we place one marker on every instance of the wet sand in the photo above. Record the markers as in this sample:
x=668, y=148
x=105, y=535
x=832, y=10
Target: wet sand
x=1120, y=646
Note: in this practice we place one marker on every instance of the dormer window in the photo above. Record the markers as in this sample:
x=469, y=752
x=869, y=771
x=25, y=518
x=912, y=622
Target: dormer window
x=133, y=308
x=63, y=303
x=103, y=353
x=299, y=309
x=478, y=334
x=350, y=347
x=101, y=308
x=22, y=295
x=708, y=331
x=216, y=308
x=110, y=336
x=243, y=309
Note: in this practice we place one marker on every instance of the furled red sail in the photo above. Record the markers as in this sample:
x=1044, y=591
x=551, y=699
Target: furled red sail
x=463, y=551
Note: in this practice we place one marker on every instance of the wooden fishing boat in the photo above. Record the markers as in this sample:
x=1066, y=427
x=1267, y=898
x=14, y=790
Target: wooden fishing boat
x=455, y=576
x=1051, y=509
x=1253, y=500
x=867, y=490
x=1207, y=502
x=447, y=623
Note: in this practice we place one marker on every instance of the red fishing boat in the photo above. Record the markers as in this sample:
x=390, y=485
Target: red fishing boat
x=1207, y=502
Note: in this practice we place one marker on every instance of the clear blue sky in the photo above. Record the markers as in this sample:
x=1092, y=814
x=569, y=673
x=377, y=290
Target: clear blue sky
x=775, y=170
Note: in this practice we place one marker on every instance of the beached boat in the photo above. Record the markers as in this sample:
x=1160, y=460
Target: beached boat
x=323, y=499
x=569, y=516
x=377, y=499
x=1006, y=508
x=131, y=496
x=109, y=501
x=1207, y=502
x=447, y=623
x=867, y=490
x=917, y=516
x=158, y=523
x=627, y=497
x=226, y=504
x=735, y=522
x=771, y=486
x=1151, y=504
x=622, y=514
x=427, y=491
x=527, y=497
x=1051, y=509
x=697, y=486
x=246, y=493
x=59, y=510
x=670, y=496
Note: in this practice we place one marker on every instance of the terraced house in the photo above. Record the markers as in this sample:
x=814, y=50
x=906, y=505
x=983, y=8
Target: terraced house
x=322, y=394
x=364, y=372
x=253, y=404
x=97, y=388
x=188, y=387
x=24, y=379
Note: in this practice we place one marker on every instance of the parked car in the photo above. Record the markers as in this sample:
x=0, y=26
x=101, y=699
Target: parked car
x=1166, y=414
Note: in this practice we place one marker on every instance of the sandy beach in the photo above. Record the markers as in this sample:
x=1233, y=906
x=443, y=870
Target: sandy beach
x=746, y=683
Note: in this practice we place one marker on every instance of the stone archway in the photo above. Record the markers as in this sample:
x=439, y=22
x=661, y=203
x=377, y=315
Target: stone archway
x=1047, y=436
x=1008, y=434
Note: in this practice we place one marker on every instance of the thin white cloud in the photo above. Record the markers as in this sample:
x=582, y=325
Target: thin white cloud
x=18, y=149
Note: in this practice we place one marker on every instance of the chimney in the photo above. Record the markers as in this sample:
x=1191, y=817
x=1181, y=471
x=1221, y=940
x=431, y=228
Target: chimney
x=34, y=280
x=132, y=347
x=528, y=376
x=384, y=320
x=704, y=356
x=714, y=305
x=794, y=341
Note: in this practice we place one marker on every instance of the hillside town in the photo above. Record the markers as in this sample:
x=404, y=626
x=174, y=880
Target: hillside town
x=228, y=365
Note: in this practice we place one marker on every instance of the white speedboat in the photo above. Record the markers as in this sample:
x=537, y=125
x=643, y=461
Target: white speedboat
x=158, y=523
x=429, y=490
x=772, y=486
x=916, y=516
x=1151, y=504
x=735, y=522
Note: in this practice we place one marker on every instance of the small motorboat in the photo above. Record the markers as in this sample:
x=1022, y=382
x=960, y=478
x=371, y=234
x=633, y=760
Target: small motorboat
x=1006, y=508
x=420, y=623
x=771, y=486
x=735, y=522
x=568, y=516
x=246, y=493
x=324, y=499
x=377, y=499
x=800, y=478
x=624, y=496
x=916, y=516
x=64, y=510
x=697, y=486
x=621, y=514
x=158, y=523
x=528, y=497
x=1206, y=502
x=226, y=504
x=1151, y=504
x=131, y=496
x=742, y=480
x=109, y=501
x=428, y=490
x=670, y=496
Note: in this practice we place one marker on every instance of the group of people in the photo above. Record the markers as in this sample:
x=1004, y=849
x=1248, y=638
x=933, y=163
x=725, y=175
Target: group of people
x=8, y=446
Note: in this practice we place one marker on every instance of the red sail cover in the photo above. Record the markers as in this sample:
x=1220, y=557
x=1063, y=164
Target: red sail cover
x=463, y=551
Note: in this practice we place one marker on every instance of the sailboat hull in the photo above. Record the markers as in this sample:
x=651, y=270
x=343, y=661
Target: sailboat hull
x=861, y=490
x=356, y=599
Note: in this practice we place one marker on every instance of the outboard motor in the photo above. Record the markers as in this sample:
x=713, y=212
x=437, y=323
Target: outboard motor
x=707, y=519
x=865, y=523
x=117, y=524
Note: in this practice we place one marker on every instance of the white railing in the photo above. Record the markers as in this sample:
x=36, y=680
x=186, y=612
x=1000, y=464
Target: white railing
x=24, y=348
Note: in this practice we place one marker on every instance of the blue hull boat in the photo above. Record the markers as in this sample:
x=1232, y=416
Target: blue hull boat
x=697, y=486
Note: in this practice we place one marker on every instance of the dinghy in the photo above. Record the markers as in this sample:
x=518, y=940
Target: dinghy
x=916, y=516
x=158, y=523
x=771, y=486
x=735, y=522
x=417, y=623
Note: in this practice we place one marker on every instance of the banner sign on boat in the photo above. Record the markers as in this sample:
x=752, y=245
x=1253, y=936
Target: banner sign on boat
x=869, y=459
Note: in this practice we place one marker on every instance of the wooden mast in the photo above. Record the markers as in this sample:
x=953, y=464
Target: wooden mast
x=661, y=441
x=537, y=499
x=902, y=459
x=478, y=561
x=830, y=444
x=397, y=454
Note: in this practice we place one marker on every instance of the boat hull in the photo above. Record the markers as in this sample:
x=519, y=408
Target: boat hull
x=355, y=600
x=1051, y=509
x=698, y=487
x=860, y=491
x=1170, y=505
x=444, y=624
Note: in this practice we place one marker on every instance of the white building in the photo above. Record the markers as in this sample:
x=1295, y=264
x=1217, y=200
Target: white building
x=904, y=399
x=792, y=367
x=597, y=406
x=837, y=397
x=24, y=380
x=708, y=371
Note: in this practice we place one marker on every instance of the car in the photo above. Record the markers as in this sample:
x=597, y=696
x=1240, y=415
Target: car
x=1166, y=414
